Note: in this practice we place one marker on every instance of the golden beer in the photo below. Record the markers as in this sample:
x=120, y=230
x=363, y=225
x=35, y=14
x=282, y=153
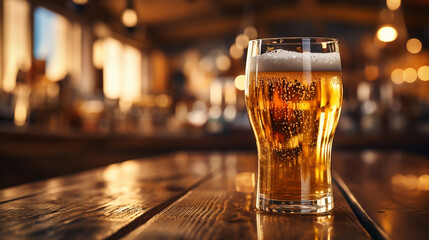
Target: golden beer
x=294, y=115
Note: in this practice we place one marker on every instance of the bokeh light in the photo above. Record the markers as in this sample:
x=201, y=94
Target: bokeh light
x=223, y=62
x=251, y=32
x=240, y=82
x=387, y=33
x=410, y=182
x=242, y=41
x=423, y=73
x=235, y=51
x=409, y=75
x=414, y=45
x=129, y=18
x=393, y=4
x=207, y=64
x=396, y=76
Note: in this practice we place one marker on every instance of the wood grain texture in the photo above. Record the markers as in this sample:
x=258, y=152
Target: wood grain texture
x=224, y=208
x=101, y=203
x=392, y=188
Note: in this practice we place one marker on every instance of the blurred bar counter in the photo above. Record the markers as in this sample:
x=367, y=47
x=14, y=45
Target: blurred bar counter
x=31, y=154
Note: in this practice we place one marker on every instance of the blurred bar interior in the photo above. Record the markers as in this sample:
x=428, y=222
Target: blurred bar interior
x=84, y=83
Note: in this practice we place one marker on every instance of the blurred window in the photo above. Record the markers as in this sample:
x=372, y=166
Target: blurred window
x=51, y=42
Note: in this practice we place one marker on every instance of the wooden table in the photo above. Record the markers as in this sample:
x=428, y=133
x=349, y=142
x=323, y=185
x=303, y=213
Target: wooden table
x=211, y=196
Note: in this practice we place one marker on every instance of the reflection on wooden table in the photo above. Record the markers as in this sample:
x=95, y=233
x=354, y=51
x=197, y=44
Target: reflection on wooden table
x=392, y=188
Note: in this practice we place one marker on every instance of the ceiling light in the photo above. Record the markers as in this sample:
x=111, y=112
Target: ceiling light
x=393, y=4
x=387, y=33
x=129, y=17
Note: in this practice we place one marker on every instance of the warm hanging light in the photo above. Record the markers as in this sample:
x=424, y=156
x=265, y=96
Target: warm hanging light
x=80, y=2
x=387, y=33
x=393, y=4
x=129, y=17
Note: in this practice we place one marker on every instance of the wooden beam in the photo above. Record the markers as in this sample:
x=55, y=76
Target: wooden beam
x=209, y=26
x=201, y=27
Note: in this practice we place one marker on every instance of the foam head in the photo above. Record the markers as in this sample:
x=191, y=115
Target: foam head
x=283, y=60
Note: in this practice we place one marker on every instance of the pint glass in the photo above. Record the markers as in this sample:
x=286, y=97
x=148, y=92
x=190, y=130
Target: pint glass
x=293, y=97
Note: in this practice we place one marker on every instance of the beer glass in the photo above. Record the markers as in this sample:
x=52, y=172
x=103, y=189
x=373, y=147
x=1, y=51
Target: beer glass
x=293, y=97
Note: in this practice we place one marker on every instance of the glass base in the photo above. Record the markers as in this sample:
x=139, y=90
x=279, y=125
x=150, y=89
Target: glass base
x=321, y=205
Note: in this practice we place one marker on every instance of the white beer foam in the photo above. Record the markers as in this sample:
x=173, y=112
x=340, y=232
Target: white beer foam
x=283, y=60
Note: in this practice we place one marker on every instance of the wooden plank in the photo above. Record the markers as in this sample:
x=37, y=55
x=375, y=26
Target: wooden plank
x=107, y=202
x=371, y=227
x=392, y=188
x=224, y=208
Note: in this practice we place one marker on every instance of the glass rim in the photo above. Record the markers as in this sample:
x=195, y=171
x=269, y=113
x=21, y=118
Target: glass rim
x=313, y=40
